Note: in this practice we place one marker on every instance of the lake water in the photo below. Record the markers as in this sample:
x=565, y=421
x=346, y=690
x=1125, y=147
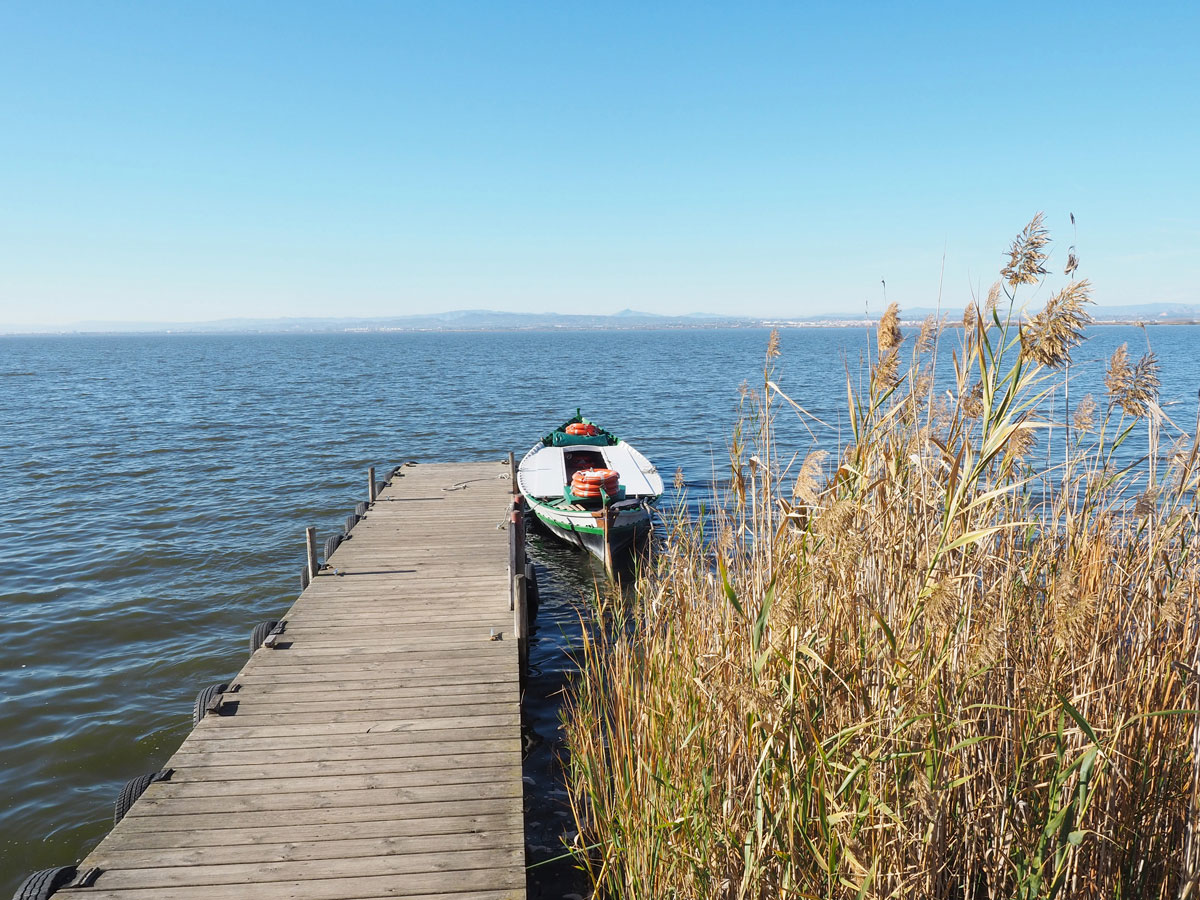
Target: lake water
x=155, y=491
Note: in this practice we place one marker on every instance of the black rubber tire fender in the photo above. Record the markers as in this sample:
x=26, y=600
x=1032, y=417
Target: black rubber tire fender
x=379, y=486
x=361, y=509
x=260, y=632
x=204, y=698
x=133, y=789
x=304, y=579
x=44, y=883
x=351, y=521
x=331, y=544
x=532, y=595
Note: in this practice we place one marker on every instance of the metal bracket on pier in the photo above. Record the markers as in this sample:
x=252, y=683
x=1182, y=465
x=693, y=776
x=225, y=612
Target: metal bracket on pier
x=86, y=878
x=218, y=699
x=274, y=633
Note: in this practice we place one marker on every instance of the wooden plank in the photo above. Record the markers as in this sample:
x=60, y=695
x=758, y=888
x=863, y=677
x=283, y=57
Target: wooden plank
x=258, y=771
x=231, y=753
x=336, y=608
x=395, y=812
x=343, y=847
x=205, y=783
x=452, y=657
x=350, y=702
x=384, y=743
x=329, y=889
x=405, y=566
x=464, y=793
x=393, y=610
x=442, y=584
x=390, y=712
x=308, y=682
x=397, y=664
x=491, y=726
x=428, y=592
x=397, y=669
x=397, y=612
x=384, y=689
x=461, y=867
x=400, y=552
x=468, y=639
x=463, y=600
x=394, y=613
x=448, y=568
x=415, y=832
x=380, y=697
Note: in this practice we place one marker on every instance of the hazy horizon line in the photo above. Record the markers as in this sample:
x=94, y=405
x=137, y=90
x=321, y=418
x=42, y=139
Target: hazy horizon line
x=459, y=320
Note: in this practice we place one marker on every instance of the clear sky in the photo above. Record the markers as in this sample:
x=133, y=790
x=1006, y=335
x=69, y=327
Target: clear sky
x=192, y=161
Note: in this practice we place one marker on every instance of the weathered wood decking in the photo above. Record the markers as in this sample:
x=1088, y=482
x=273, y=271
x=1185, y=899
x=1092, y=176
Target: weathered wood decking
x=375, y=752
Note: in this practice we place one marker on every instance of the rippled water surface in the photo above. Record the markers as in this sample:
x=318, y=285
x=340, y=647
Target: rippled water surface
x=155, y=491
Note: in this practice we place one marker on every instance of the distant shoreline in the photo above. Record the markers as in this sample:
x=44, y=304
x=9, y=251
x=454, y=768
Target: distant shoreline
x=949, y=322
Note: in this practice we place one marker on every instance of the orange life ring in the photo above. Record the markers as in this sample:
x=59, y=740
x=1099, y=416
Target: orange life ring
x=597, y=476
x=588, y=495
x=590, y=482
x=583, y=428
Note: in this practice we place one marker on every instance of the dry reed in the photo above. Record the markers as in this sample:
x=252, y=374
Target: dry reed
x=922, y=668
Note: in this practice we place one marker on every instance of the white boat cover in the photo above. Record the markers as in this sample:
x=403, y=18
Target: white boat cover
x=543, y=472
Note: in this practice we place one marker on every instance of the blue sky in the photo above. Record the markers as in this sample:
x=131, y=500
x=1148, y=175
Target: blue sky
x=178, y=162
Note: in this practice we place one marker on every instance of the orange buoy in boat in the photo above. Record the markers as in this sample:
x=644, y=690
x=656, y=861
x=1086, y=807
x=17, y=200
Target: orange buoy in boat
x=583, y=428
x=590, y=482
x=597, y=476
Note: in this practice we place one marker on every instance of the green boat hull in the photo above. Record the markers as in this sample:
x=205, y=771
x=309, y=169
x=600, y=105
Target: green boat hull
x=585, y=529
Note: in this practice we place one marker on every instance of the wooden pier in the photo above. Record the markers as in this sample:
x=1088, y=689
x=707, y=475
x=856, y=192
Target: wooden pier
x=375, y=749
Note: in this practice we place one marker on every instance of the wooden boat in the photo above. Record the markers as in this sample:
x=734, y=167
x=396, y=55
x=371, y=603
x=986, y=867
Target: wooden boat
x=590, y=488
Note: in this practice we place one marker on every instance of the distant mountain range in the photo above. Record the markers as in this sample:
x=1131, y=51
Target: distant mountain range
x=491, y=320
x=457, y=320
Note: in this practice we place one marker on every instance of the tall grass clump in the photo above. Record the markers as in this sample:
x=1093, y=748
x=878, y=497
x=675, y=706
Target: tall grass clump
x=932, y=664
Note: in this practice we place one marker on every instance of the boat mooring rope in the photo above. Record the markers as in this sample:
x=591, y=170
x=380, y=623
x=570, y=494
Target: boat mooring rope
x=461, y=485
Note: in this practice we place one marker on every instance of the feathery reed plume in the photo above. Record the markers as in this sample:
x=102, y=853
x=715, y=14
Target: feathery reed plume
x=889, y=334
x=889, y=337
x=1027, y=253
x=1133, y=388
x=808, y=480
x=887, y=371
x=1119, y=372
x=993, y=298
x=1145, y=379
x=928, y=333
x=970, y=315
x=1072, y=262
x=971, y=403
x=1145, y=504
x=1048, y=337
x=1022, y=440
x=1084, y=419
